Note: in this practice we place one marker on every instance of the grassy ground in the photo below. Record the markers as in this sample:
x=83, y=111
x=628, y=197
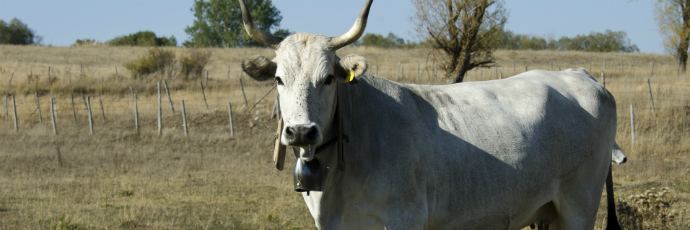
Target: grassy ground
x=116, y=178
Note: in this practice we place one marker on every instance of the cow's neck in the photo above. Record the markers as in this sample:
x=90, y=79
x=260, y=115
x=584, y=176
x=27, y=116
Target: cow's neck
x=351, y=104
x=360, y=154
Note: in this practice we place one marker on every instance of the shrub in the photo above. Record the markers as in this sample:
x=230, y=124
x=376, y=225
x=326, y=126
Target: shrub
x=648, y=210
x=64, y=223
x=85, y=42
x=192, y=65
x=157, y=60
x=143, y=38
x=629, y=216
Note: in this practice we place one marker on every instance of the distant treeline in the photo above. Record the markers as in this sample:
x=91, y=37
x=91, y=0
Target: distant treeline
x=607, y=41
x=389, y=41
x=15, y=32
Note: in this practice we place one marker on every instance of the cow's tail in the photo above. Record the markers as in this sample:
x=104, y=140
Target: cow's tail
x=617, y=155
x=611, y=218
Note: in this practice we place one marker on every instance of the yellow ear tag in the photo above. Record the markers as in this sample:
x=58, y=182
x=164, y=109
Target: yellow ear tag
x=350, y=77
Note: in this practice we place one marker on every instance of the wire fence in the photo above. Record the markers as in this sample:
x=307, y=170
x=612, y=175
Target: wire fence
x=162, y=109
x=634, y=84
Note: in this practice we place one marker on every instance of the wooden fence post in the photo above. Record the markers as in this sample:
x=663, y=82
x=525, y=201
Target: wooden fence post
x=57, y=118
x=232, y=129
x=184, y=119
x=651, y=96
x=14, y=109
x=159, y=110
x=86, y=105
x=53, y=116
x=7, y=111
x=100, y=102
x=632, y=126
x=136, y=114
x=38, y=108
x=90, y=114
x=167, y=91
x=246, y=103
x=203, y=93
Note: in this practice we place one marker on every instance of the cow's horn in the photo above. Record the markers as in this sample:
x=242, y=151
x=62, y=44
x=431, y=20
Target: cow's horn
x=254, y=32
x=355, y=32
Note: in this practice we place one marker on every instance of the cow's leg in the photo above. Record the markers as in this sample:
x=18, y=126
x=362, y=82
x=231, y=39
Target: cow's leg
x=578, y=204
x=544, y=226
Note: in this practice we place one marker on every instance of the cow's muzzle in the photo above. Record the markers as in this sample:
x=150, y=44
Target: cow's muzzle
x=302, y=135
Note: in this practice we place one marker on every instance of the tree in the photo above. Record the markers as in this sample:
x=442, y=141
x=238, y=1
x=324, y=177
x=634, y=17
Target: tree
x=218, y=23
x=673, y=17
x=143, y=38
x=17, y=33
x=464, y=31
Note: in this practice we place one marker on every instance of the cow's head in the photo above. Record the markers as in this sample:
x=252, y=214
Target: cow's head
x=306, y=70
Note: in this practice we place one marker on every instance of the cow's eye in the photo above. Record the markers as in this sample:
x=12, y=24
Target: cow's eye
x=329, y=79
x=279, y=80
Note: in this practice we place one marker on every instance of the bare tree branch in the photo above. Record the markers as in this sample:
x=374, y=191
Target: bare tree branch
x=464, y=30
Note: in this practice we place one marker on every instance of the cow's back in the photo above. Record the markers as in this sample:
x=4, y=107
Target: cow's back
x=521, y=135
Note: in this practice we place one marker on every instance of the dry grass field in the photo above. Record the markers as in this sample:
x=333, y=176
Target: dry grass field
x=118, y=179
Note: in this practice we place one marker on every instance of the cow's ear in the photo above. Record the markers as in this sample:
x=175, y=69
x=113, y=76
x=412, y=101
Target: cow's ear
x=355, y=64
x=259, y=68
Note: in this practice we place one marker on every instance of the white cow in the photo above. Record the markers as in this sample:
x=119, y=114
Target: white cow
x=534, y=148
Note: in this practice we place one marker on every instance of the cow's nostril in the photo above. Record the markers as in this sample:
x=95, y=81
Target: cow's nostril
x=311, y=133
x=290, y=132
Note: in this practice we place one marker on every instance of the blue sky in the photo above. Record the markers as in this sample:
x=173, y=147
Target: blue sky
x=62, y=22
